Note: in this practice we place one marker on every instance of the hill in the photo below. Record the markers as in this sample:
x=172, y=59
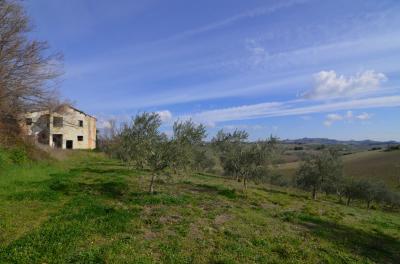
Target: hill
x=373, y=165
x=90, y=209
x=327, y=141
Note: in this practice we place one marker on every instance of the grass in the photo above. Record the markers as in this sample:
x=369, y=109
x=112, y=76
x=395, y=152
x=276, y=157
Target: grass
x=373, y=165
x=89, y=209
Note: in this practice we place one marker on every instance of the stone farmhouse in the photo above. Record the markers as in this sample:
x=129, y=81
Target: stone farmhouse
x=66, y=128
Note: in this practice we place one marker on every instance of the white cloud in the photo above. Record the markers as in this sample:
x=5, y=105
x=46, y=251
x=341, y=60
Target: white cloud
x=364, y=116
x=289, y=69
x=334, y=117
x=243, y=126
x=331, y=118
x=234, y=113
x=257, y=54
x=327, y=84
x=103, y=124
x=349, y=116
x=165, y=115
x=260, y=11
x=291, y=108
x=169, y=132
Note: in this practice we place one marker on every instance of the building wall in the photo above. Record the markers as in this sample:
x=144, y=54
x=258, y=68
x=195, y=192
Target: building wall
x=39, y=128
x=36, y=127
x=70, y=129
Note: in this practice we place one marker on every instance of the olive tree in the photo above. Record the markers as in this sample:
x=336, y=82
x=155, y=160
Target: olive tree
x=159, y=158
x=204, y=158
x=320, y=172
x=186, y=144
x=255, y=160
x=244, y=160
x=368, y=191
x=353, y=190
x=143, y=145
x=230, y=148
x=138, y=138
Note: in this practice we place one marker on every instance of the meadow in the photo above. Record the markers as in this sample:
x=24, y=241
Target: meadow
x=90, y=209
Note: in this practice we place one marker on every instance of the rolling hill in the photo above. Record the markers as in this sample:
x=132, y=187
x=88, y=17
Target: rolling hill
x=375, y=165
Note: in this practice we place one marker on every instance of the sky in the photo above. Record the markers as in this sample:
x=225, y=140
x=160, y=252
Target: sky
x=292, y=69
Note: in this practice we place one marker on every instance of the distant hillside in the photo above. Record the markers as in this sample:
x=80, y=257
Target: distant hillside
x=373, y=165
x=327, y=141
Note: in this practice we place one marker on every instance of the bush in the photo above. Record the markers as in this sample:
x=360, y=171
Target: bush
x=3, y=158
x=375, y=148
x=278, y=179
x=18, y=155
x=392, y=148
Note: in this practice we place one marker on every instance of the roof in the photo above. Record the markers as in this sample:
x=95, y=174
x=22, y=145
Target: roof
x=75, y=109
x=70, y=106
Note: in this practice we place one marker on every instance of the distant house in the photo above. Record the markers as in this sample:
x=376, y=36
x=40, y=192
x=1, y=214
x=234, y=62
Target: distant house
x=66, y=128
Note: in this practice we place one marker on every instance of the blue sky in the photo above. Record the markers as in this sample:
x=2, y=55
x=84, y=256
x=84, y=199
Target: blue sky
x=299, y=68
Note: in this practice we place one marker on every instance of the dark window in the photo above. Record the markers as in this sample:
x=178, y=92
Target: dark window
x=69, y=144
x=81, y=123
x=80, y=138
x=57, y=121
x=28, y=121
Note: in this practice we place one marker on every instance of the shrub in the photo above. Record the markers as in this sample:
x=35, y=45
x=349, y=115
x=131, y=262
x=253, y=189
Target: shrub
x=392, y=148
x=18, y=155
x=3, y=158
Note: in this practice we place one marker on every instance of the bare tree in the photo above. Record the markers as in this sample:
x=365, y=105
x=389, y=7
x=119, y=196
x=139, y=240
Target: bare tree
x=28, y=71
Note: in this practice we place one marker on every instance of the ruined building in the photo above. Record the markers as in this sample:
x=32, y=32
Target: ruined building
x=66, y=127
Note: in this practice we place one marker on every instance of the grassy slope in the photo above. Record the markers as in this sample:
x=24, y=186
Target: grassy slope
x=92, y=210
x=374, y=165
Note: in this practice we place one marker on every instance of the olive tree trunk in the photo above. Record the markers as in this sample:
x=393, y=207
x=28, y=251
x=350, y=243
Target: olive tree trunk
x=314, y=193
x=153, y=178
x=348, y=201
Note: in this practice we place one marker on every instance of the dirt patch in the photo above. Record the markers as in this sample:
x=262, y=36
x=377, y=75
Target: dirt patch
x=195, y=232
x=203, y=188
x=149, y=235
x=170, y=219
x=267, y=206
x=221, y=219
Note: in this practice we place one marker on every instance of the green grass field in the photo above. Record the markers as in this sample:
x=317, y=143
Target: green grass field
x=373, y=165
x=89, y=209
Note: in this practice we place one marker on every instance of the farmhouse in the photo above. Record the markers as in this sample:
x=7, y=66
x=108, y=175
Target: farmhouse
x=66, y=128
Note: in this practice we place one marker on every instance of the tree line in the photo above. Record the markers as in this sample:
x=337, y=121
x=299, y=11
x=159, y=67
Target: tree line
x=141, y=144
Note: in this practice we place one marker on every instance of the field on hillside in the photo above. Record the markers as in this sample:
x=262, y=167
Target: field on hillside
x=90, y=209
x=373, y=165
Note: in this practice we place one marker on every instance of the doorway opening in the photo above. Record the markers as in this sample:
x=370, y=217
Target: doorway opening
x=57, y=140
x=69, y=144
